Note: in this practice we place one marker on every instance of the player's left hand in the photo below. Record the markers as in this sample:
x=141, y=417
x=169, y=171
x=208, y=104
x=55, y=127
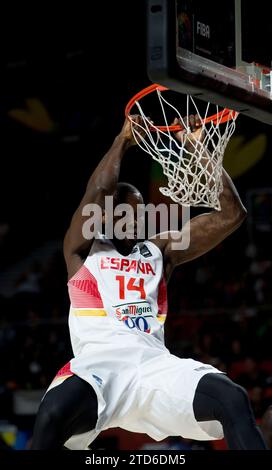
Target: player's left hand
x=126, y=132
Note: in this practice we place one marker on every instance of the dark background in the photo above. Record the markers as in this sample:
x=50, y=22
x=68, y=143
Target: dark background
x=83, y=66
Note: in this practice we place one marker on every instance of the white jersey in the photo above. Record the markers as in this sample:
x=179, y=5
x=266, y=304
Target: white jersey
x=117, y=315
x=112, y=292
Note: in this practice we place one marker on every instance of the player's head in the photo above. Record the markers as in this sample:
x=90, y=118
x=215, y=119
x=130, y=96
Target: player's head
x=128, y=221
x=126, y=193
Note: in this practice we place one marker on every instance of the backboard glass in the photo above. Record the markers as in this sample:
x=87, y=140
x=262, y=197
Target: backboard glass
x=217, y=51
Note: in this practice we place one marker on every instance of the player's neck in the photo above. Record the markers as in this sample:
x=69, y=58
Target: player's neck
x=124, y=247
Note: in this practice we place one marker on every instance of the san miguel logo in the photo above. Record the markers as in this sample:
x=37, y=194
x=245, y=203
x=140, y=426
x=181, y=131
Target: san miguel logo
x=135, y=315
x=133, y=309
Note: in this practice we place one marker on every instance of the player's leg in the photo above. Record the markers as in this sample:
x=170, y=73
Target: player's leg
x=67, y=409
x=218, y=398
x=266, y=426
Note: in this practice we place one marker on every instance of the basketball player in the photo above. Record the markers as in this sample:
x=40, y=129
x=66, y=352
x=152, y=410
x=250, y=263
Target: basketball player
x=122, y=375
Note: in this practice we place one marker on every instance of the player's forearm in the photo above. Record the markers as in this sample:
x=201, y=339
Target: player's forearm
x=231, y=205
x=106, y=175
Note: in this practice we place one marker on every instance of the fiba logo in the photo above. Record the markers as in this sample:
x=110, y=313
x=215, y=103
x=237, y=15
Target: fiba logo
x=203, y=30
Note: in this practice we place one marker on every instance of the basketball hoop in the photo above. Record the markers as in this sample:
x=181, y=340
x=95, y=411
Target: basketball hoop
x=193, y=168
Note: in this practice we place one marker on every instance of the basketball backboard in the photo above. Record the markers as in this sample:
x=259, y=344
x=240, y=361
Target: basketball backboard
x=215, y=51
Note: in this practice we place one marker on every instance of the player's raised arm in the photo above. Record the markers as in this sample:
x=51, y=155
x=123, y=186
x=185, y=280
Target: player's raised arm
x=102, y=182
x=206, y=230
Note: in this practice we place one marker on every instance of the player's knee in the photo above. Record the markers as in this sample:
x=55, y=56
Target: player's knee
x=238, y=397
x=233, y=397
x=49, y=414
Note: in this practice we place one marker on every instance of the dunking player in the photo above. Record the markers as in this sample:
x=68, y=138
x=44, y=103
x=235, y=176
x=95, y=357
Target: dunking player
x=122, y=375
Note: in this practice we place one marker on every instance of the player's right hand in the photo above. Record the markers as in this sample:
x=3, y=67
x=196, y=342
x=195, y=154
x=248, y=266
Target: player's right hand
x=126, y=133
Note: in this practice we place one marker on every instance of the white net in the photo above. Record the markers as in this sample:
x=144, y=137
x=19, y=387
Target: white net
x=193, y=166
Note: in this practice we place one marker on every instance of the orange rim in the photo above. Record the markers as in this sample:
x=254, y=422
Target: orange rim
x=218, y=118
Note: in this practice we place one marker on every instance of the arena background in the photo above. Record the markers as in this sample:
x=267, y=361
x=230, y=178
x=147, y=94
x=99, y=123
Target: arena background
x=65, y=82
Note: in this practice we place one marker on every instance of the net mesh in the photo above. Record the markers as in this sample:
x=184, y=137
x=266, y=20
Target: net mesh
x=193, y=166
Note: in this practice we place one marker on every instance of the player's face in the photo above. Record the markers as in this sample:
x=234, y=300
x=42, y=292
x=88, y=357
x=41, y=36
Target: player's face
x=130, y=222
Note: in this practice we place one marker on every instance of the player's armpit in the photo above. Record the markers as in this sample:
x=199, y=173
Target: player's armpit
x=200, y=235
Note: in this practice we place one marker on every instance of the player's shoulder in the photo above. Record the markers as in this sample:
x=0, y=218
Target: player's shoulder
x=162, y=239
x=156, y=244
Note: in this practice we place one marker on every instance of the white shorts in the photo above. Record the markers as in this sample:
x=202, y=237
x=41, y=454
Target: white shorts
x=153, y=395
